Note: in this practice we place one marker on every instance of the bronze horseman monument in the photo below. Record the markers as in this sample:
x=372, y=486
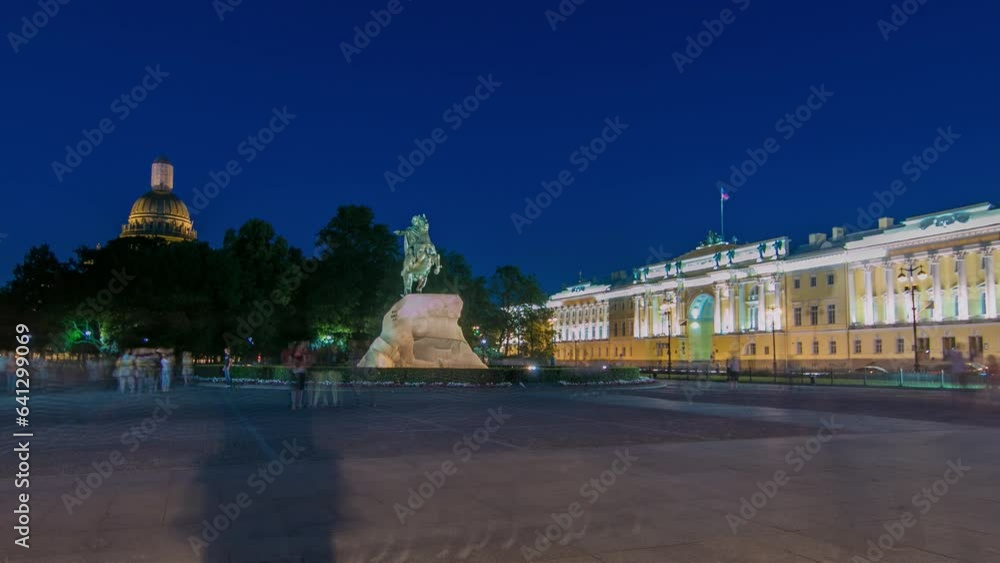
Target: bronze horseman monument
x=421, y=331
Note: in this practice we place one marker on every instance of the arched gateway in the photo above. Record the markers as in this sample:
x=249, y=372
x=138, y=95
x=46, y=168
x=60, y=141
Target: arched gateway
x=701, y=327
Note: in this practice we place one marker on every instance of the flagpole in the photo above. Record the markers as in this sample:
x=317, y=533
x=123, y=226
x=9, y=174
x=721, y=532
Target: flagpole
x=722, y=212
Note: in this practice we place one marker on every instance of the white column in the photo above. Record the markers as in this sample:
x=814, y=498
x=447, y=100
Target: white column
x=718, y=309
x=731, y=309
x=869, y=296
x=936, y=288
x=890, y=293
x=650, y=315
x=852, y=299
x=991, y=284
x=607, y=320
x=761, y=305
x=657, y=317
x=779, y=304
x=635, y=316
x=741, y=306
x=963, y=286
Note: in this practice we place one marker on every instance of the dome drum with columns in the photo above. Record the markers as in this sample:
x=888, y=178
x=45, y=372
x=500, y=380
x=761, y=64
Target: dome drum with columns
x=160, y=213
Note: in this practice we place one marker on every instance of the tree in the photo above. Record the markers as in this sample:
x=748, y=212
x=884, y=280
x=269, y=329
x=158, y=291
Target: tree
x=356, y=278
x=39, y=293
x=268, y=274
x=521, y=303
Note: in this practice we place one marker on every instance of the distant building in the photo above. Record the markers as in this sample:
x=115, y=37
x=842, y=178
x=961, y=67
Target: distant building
x=836, y=302
x=159, y=213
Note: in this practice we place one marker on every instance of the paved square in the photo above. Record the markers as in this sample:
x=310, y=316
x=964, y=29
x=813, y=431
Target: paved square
x=762, y=473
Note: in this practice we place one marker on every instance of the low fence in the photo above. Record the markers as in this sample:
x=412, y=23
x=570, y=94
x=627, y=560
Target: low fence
x=915, y=380
x=493, y=376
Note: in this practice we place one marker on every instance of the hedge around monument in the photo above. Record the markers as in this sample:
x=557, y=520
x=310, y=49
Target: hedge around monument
x=404, y=376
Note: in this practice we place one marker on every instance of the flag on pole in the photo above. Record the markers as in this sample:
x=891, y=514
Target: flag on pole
x=723, y=194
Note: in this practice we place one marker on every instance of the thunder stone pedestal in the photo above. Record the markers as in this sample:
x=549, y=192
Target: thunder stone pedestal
x=421, y=331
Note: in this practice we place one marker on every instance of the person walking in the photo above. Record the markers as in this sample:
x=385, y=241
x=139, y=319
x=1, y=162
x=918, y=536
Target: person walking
x=129, y=372
x=166, y=367
x=734, y=373
x=300, y=359
x=187, y=367
x=227, y=366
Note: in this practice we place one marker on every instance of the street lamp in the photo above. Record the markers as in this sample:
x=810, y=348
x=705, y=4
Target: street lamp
x=665, y=309
x=774, y=347
x=907, y=274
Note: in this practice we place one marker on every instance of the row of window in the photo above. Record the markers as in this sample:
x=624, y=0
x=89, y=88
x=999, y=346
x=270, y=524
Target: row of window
x=831, y=315
x=878, y=345
x=813, y=281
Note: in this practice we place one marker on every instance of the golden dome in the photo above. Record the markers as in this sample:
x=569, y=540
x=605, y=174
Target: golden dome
x=159, y=213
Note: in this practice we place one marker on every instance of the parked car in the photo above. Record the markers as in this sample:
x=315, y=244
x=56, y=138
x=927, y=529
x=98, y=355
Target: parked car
x=870, y=369
x=977, y=369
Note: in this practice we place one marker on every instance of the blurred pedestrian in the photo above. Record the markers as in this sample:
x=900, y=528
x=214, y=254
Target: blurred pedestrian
x=166, y=368
x=300, y=362
x=187, y=367
x=227, y=366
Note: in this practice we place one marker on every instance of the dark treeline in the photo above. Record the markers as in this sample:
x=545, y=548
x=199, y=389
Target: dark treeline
x=256, y=294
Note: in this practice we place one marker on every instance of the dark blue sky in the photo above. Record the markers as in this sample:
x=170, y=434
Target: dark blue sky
x=654, y=186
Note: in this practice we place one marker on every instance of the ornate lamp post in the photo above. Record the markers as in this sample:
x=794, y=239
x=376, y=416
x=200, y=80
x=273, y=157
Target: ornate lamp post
x=907, y=274
x=665, y=310
x=774, y=347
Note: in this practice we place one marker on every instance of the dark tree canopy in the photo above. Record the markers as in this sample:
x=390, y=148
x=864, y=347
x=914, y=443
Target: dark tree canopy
x=257, y=293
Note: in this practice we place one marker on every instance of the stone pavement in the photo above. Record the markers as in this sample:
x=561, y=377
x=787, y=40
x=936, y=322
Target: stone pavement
x=682, y=481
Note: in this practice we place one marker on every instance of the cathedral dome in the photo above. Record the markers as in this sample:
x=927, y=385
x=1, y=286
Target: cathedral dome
x=160, y=213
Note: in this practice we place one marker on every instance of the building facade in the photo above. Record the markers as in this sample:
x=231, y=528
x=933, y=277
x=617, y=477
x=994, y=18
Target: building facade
x=841, y=301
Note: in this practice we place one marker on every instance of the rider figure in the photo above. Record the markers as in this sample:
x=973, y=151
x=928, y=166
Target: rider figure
x=418, y=249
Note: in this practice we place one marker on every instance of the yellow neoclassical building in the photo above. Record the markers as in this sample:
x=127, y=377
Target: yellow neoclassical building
x=840, y=301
